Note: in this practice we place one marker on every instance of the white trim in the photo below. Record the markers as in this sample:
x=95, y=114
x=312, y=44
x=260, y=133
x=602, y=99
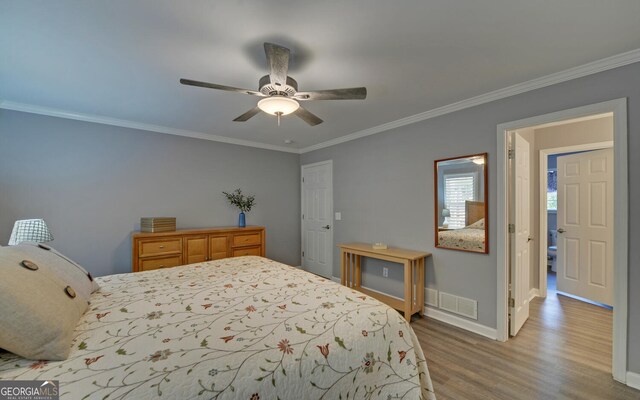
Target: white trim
x=462, y=323
x=336, y=279
x=332, y=228
x=533, y=293
x=633, y=380
x=543, y=166
x=621, y=200
x=99, y=119
x=594, y=67
x=502, y=247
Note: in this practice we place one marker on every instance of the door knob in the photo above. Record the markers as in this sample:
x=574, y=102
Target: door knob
x=560, y=230
x=327, y=227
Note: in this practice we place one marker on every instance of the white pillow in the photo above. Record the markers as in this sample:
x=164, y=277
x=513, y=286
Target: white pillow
x=39, y=310
x=66, y=269
x=479, y=224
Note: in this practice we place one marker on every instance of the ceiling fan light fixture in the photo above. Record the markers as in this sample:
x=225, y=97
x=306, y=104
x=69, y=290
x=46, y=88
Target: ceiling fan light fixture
x=278, y=105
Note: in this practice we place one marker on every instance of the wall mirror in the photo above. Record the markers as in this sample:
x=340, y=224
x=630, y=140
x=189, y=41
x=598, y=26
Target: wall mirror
x=461, y=203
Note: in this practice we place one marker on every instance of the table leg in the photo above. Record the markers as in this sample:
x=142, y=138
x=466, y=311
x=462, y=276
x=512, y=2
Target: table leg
x=349, y=257
x=408, y=295
x=352, y=271
x=358, y=271
x=343, y=274
x=420, y=286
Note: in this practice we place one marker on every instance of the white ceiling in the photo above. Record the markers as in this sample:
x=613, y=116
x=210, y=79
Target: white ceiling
x=122, y=59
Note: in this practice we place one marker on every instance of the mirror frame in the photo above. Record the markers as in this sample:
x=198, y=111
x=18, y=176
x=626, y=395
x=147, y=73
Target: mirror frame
x=486, y=202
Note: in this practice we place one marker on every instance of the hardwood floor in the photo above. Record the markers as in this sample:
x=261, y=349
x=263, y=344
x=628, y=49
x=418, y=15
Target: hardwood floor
x=562, y=352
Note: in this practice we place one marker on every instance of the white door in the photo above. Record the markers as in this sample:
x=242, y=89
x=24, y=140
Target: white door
x=521, y=238
x=317, y=221
x=585, y=225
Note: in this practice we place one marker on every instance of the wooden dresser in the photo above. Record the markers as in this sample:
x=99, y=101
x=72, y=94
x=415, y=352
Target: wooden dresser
x=187, y=246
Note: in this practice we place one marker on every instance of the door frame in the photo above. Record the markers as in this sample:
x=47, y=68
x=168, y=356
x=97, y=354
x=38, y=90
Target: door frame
x=302, y=243
x=544, y=169
x=621, y=203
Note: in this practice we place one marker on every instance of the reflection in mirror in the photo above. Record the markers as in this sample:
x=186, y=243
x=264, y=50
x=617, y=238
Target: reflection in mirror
x=461, y=203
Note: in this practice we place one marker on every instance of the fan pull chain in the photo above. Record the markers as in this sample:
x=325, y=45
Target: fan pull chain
x=278, y=114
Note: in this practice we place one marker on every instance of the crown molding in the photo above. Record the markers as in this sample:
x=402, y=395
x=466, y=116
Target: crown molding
x=594, y=67
x=98, y=119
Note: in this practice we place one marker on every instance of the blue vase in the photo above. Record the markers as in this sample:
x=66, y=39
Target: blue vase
x=241, y=221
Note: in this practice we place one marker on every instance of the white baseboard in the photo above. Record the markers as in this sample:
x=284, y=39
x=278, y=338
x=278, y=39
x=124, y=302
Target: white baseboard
x=450, y=319
x=633, y=380
x=533, y=293
x=463, y=323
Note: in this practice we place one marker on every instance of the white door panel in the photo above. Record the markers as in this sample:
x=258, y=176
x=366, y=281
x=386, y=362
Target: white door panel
x=317, y=213
x=585, y=225
x=521, y=239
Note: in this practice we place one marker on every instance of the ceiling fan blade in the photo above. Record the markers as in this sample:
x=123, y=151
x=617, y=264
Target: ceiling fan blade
x=248, y=114
x=307, y=116
x=278, y=61
x=219, y=87
x=357, y=93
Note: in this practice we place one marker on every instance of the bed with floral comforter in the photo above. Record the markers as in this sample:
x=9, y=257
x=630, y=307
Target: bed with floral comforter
x=463, y=239
x=239, y=328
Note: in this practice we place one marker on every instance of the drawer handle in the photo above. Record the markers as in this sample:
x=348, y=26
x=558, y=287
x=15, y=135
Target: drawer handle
x=161, y=247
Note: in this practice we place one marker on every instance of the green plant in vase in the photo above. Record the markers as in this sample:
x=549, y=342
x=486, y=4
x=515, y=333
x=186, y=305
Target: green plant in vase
x=242, y=202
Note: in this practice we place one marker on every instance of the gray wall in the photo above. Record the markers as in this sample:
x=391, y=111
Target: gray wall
x=93, y=182
x=383, y=185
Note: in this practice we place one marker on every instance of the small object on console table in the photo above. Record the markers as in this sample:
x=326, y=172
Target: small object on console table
x=379, y=246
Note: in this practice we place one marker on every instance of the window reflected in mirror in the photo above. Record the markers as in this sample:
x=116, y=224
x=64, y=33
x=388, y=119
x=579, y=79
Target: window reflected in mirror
x=461, y=203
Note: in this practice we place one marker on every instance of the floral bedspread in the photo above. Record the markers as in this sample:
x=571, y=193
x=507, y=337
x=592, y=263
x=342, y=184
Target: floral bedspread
x=464, y=239
x=239, y=328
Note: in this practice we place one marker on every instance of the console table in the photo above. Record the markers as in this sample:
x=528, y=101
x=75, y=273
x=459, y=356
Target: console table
x=413, y=262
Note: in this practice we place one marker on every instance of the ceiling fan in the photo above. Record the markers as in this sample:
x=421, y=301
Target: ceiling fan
x=280, y=92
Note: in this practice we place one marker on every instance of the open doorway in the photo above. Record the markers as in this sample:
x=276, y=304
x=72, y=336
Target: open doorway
x=553, y=253
x=518, y=282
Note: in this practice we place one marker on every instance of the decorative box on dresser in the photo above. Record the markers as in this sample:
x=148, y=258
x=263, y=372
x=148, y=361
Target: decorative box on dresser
x=187, y=246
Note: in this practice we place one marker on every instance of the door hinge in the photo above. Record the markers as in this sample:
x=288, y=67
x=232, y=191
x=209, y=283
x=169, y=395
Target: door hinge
x=302, y=216
x=512, y=302
x=512, y=228
x=303, y=179
x=512, y=154
x=303, y=254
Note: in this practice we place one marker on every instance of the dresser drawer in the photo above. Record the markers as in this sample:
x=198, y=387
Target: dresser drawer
x=247, y=251
x=157, y=263
x=160, y=247
x=246, y=240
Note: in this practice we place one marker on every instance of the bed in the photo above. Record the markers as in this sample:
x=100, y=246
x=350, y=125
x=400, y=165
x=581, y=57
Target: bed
x=471, y=239
x=237, y=328
x=472, y=236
